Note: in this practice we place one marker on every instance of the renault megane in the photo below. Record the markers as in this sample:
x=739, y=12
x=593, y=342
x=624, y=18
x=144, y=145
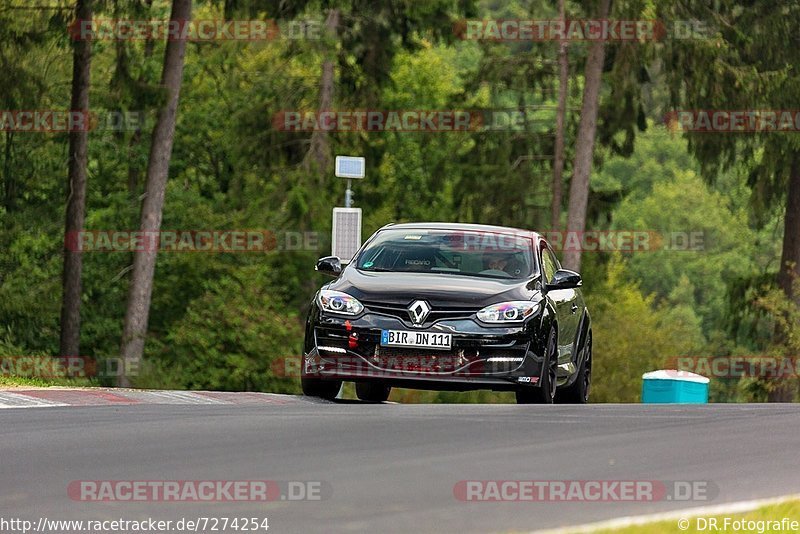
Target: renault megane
x=450, y=307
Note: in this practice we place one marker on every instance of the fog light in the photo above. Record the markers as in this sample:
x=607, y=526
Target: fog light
x=333, y=349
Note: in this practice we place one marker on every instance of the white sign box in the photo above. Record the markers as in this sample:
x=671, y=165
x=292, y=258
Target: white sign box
x=346, y=238
x=350, y=167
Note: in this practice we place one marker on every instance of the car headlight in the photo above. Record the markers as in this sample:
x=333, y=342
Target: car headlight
x=338, y=302
x=508, y=312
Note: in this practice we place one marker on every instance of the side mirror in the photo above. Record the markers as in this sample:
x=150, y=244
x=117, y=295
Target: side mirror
x=565, y=279
x=330, y=265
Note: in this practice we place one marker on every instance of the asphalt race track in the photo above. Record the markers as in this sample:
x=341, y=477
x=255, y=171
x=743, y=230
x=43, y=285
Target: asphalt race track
x=388, y=467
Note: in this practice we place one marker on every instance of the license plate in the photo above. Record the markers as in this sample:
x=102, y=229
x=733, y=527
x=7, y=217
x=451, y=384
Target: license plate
x=406, y=338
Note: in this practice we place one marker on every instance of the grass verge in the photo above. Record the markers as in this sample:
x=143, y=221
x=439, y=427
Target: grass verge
x=21, y=382
x=767, y=519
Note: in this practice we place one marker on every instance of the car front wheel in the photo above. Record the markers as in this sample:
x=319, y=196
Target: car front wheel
x=324, y=389
x=578, y=391
x=546, y=392
x=372, y=391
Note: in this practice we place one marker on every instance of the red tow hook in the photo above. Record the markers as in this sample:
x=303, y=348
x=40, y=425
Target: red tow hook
x=352, y=341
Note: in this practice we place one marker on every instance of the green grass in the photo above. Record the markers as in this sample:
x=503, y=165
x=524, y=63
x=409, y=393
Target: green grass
x=775, y=512
x=18, y=381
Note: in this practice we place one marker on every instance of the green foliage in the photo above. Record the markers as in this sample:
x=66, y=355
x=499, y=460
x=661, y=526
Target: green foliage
x=232, y=337
x=632, y=335
x=784, y=347
x=701, y=239
x=743, y=64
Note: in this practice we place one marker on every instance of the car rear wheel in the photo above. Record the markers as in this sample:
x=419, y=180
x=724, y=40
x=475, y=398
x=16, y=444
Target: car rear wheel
x=324, y=389
x=578, y=391
x=546, y=392
x=372, y=391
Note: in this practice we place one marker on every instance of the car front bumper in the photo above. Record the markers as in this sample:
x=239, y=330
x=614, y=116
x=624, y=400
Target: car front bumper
x=481, y=357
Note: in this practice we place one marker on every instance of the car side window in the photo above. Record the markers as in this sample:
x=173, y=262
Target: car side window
x=555, y=259
x=549, y=265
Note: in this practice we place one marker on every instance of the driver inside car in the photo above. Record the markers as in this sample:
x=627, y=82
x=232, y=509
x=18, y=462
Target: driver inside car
x=502, y=262
x=495, y=262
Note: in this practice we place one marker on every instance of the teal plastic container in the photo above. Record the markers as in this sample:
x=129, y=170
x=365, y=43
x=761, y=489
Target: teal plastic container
x=675, y=387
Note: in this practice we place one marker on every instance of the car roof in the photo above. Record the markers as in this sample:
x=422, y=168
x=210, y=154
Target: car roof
x=466, y=227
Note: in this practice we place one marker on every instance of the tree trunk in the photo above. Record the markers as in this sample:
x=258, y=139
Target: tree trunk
x=9, y=182
x=790, y=257
x=584, y=144
x=789, y=274
x=134, y=170
x=144, y=261
x=561, y=112
x=319, y=153
x=76, y=195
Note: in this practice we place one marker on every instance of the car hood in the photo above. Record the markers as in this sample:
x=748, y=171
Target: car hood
x=438, y=289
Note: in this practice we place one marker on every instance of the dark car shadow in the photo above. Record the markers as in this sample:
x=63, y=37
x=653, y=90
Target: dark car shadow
x=357, y=401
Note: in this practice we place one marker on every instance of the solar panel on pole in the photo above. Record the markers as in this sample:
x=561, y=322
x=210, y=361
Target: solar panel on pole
x=350, y=167
x=346, y=238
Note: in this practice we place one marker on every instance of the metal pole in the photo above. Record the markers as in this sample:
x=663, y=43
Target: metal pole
x=348, y=195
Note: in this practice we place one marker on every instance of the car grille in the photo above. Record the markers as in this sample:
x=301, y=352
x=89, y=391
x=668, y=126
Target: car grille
x=438, y=313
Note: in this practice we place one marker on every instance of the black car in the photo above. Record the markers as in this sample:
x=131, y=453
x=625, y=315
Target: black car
x=450, y=307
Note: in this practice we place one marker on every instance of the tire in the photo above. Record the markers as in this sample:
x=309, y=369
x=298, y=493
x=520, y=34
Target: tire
x=546, y=392
x=324, y=389
x=578, y=391
x=372, y=391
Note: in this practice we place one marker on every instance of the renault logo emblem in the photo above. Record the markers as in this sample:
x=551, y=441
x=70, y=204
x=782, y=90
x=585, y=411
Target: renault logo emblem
x=419, y=311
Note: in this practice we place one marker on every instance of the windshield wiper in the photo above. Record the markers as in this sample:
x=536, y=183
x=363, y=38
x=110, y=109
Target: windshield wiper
x=376, y=270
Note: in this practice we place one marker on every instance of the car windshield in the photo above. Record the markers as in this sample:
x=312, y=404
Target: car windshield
x=481, y=254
